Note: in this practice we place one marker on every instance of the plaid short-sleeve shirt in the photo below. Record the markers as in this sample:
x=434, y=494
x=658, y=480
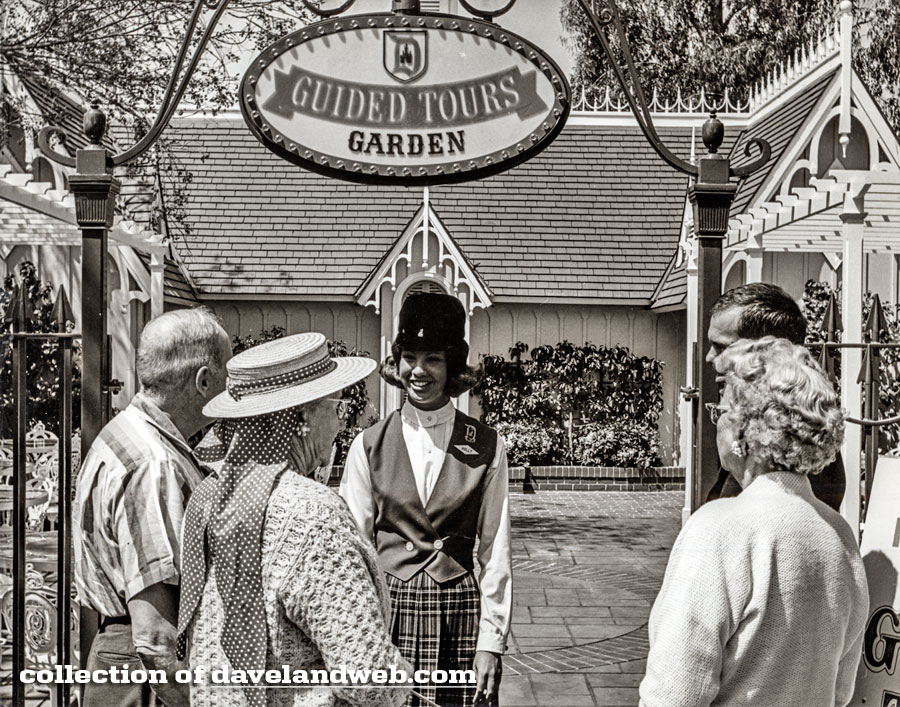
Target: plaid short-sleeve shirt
x=130, y=496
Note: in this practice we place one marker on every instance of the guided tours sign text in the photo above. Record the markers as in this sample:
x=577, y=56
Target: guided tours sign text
x=404, y=99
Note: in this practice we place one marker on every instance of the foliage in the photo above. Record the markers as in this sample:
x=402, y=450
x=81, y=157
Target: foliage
x=816, y=295
x=618, y=442
x=121, y=52
x=717, y=45
x=815, y=299
x=358, y=397
x=531, y=441
x=361, y=413
x=242, y=343
x=878, y=56
x=545, y=405
x=42, y=364
x=694, y=44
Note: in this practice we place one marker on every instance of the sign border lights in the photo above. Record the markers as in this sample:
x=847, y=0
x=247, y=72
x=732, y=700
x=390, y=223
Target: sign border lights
x=504, y=157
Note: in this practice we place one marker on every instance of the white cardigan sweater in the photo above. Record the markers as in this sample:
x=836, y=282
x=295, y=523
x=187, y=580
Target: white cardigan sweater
x=764, y=603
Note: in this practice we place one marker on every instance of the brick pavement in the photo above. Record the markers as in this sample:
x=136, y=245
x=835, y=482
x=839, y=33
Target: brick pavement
x=587, y=565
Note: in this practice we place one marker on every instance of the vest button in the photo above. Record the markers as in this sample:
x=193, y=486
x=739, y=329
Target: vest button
x=438, y=544
x=410, y=547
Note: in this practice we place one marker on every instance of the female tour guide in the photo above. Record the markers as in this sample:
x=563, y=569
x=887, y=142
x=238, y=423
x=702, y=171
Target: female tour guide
x=424, y=483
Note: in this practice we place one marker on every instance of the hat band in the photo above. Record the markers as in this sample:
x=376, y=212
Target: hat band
x=240, y=389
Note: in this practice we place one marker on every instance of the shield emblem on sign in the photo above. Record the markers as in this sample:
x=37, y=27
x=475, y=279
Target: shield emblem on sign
x=405, y=54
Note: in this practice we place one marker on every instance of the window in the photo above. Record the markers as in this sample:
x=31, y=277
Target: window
x=425, y=286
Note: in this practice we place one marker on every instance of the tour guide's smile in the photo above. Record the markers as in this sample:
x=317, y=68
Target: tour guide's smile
x=424, y=377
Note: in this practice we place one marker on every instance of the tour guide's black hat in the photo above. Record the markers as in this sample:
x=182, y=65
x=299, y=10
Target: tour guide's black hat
x=431, y=322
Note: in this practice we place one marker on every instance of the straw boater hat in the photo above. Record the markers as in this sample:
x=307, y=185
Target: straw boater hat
x=283, y=373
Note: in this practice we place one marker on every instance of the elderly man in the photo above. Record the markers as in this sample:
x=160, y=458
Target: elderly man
x=130, y=498
x=751, y=312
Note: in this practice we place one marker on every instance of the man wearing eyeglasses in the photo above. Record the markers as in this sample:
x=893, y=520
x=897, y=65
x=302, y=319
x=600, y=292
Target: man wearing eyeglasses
x=753, y=311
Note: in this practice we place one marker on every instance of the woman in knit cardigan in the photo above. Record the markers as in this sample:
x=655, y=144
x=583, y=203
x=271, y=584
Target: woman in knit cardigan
x=765, y=600
x=275, y=574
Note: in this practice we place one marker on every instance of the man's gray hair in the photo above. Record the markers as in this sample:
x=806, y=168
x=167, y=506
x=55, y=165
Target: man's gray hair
x=175, y=345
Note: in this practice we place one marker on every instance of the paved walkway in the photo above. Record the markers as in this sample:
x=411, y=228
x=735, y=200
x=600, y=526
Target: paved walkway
x=588, y=565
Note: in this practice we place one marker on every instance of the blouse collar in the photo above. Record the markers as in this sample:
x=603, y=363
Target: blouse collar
x=427, y=418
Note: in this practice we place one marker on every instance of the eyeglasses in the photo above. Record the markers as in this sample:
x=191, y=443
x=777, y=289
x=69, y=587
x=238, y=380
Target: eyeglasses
x=716, y=411
x=341, y=408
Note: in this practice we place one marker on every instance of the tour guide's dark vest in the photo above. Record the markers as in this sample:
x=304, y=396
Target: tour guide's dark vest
x=440, y=537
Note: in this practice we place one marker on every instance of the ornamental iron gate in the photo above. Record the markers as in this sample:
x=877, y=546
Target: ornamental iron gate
x=36, y=583
x=875, y=333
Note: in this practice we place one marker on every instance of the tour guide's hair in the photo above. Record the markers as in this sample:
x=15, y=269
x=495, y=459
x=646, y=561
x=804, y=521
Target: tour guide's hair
x=766, y=310
x=175, y=345
x=461, y=377
x=785, y=408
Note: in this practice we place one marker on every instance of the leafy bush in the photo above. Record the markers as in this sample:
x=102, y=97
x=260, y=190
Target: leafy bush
x=545, y=405
x=361, y=413
x=618, y=443
x=42, y=363
x=531, y=442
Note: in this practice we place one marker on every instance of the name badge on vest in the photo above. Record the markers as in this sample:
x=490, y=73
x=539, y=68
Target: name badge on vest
x=465, y=449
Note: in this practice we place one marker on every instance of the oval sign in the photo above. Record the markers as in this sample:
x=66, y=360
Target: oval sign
x=405, y=99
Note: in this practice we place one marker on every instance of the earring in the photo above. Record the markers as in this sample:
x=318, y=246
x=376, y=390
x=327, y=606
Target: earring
x=304, y=429
x=737, y=449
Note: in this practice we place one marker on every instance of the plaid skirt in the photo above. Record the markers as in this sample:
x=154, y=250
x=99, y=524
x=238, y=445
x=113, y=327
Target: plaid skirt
x=435, y=626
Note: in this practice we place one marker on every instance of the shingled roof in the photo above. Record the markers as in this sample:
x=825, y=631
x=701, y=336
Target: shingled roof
x=177, y=289
x=60, y=110
x=594, y=218
x=779, y=129
x=671, y=292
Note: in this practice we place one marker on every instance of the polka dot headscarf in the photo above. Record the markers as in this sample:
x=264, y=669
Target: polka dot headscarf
x=223, y=526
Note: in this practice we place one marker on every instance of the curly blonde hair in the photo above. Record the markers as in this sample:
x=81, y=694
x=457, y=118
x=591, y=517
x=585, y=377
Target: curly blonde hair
x=786, y=409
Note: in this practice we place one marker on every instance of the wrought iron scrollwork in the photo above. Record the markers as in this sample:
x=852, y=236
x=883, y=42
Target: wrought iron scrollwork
x=173, y=94
x=45, y=137
x=605, y=15
x=488, y=15
x=315, y=9
x=765, y=150
x=607, y=24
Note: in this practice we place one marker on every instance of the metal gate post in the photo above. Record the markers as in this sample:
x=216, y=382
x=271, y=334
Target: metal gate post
x=62, y=315
x=711, y=196
x=95, y=191
x=20, y=311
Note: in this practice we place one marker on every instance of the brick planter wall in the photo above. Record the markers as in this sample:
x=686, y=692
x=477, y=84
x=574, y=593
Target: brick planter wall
x=585, y=478
x=596, y=478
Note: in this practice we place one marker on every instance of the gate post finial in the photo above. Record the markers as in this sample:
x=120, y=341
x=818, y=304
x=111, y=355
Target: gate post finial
x=17, y=311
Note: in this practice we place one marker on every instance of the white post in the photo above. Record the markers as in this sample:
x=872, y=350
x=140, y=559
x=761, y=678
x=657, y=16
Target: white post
x=686, y=407
x=853, y=218
x=846, y=26
x=426, y=228
x=157, y=279
x=754, y=266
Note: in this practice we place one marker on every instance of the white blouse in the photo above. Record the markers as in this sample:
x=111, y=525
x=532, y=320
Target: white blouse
x=427, y=435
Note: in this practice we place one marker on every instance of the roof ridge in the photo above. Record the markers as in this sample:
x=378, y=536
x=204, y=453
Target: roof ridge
x=611, y=102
